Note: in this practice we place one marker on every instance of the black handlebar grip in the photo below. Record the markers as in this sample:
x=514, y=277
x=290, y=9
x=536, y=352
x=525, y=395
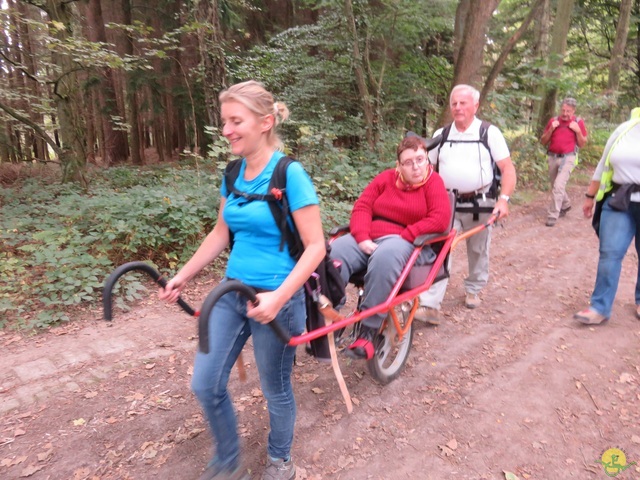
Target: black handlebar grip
x=211, y=300
x=127, y=267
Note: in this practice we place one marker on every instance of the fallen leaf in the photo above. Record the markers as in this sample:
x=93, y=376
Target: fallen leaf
x=635, y=439
x=452, y=444
x=256, y=393
x=18, y=432
x=149, y=366
x=30, y=470
x=81, y=473
x=317, y=391
x=79, y=422
x=149, y=453
x=90, y=394
x=625, y=378
x=316, y=457
x=7, y=462
x=123, y=374
x=510, y=476
x=446, y=450
x=44, y=456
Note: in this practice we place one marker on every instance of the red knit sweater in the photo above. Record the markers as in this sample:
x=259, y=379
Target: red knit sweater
x=408, y=213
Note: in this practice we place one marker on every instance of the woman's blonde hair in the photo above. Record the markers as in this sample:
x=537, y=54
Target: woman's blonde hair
x=257, y=99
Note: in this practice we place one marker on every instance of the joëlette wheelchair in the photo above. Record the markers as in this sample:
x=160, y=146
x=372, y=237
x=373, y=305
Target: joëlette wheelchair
x=393, y=341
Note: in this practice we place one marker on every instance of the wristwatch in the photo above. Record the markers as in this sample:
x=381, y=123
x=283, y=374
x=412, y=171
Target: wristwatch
x=504, y=197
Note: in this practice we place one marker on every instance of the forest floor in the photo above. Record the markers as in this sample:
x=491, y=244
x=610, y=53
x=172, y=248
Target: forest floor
x=514, y=386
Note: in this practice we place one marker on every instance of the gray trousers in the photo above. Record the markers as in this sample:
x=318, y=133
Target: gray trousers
x=383, y=267
x=477, y=257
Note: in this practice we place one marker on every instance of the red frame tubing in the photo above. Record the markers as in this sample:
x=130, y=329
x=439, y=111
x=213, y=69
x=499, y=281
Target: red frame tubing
x=393, y=299
x=450, y=241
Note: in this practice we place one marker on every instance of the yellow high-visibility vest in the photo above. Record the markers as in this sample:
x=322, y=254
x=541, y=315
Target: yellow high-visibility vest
x=606, y=179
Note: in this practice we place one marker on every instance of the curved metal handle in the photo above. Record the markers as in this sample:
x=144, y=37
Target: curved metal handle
x=127, y=267
x=211, y=300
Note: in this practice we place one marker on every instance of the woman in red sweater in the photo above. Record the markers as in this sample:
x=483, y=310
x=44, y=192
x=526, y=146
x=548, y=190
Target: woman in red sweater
x=398, y=205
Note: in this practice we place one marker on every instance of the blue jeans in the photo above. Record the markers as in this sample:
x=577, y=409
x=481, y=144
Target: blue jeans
x=229, y=329
x=617, y=229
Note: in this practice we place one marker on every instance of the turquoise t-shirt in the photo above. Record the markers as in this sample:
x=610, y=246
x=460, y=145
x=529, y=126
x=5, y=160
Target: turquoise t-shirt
x=256, y=258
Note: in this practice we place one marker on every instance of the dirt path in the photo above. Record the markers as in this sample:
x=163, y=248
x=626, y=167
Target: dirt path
x=513, y=386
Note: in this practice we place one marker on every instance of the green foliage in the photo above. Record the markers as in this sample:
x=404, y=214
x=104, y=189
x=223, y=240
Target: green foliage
x=58, y=245
x=529, y=158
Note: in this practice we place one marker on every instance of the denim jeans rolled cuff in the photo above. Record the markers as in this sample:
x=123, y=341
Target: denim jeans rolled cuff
x=230, y=329
x=617, y=230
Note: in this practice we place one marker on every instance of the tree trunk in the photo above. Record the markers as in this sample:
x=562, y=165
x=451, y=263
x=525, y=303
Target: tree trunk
x=133, y=118
x=115, y=147
x=617, y=54
x=36, y=144
x=458, y=27
x=468, y=66
x=540, y=51
x=361, y=81
x=67, y=98
x=211, y=49
x=556, y=56
x=506, y=50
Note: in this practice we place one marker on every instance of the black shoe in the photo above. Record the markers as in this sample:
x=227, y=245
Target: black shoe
x=564, y=211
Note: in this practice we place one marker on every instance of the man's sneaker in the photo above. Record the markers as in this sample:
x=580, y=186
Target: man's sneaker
x=564, y=211
x=472, y=300
x=428, y=315
x=638, y=311
x=550, y=222
x=590, y=317
x=279, y=469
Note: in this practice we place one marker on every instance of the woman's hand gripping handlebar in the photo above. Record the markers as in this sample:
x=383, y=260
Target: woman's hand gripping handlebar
x=127, y=267
x=214, y=296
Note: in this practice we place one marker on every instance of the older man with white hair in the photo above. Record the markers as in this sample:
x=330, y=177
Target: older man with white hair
x=465, y=160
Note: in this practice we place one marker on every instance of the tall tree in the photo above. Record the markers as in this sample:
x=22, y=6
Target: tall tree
x=66, y=93
x=115, y=147
x=212, y=51
x=468, y=65
x=558, y=48
x=506, y=50
x=368, y=87
x=617, y=53
x=540, y=51
x=133, y=118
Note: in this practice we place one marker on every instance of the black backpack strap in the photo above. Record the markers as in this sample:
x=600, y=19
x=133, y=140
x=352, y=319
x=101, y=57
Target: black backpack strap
x=231, y=173
x=444, y=135
x=279, y=207
x=484, y=137
x=275, y=197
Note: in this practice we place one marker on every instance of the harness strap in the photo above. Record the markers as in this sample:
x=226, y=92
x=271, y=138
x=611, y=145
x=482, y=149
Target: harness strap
x=329, y=315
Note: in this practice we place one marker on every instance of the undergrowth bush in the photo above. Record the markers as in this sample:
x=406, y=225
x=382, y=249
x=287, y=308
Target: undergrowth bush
x=58, y=244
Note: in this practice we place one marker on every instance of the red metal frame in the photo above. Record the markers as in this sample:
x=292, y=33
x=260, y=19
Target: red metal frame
x=395, y=298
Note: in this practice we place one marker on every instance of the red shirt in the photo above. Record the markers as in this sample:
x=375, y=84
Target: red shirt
x=563, y=139
x=408, y=213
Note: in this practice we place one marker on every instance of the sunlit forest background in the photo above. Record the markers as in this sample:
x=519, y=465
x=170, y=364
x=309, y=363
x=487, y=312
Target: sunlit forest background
x=109, y=142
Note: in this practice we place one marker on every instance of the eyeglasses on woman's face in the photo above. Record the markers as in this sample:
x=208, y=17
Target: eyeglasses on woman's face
x=417, y=161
